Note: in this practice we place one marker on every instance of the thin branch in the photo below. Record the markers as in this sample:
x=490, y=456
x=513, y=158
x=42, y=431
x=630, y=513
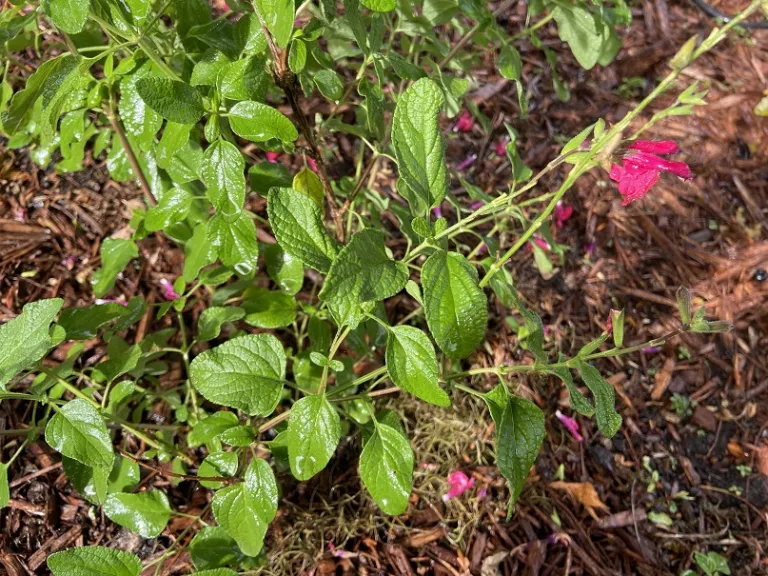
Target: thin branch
x=161, y=472
x=118, y=128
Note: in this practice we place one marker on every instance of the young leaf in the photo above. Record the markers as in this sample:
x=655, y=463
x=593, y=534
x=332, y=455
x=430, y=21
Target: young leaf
x=519, y=435
x=576, y=26
x=246, y=373
x=146, y=513
x=173, y=100
x=278, y=16
x=218, y=464
x=208, y=67
x=139, y=120
x=266, y=175
x=314, y=430
x=115, y=255
x=223, y=172
x=510, y=63
x=258, y=123
x=456, y=309
x=608, y=420
x=297, y=57
x=268, y=309
x=617, y=320
x=94, y=561
x=245, y=510
x=91, y=483
x=198, y=252
x=386, y=469
x=299, y=228
x=418, y=146
x=78, y=431
x=26, y=339
x=285, y=270
x=309, y=183
x=210, y=321
x=212, y=547
x=235, y=242
x=362, y=272
x=412, y=364
x=329, y=84
x=210, y=428
x=380, y=5
x=579, y=402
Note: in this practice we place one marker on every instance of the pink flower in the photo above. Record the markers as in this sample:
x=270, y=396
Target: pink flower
x=642, y=169
x=464, y=123
x=466, y=163
x=562, y=213
x=459, y=483
x=19, y=215
x=312, y=164
x=481, y=494
x=609, y=324
x=540, y=242
x=476, y=205
x=272, y=157
x=501, y=146
x=168, y=292
x=651, y=350
x=437, y=211
x=571, y=425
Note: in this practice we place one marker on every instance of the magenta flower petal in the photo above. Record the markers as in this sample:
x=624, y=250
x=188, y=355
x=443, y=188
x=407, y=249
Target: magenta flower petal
x=476, y=205
x=464, y=123
x=571, y=425
x=467, y=162
x=562, y=213
x=651, y=350
x=459, y=483
x=643, y=160
x=501, y=146
x=168, y=292
x=634, y=187
x=272, y=157
x=312, y=164
x=437, y=211
x=655, y=146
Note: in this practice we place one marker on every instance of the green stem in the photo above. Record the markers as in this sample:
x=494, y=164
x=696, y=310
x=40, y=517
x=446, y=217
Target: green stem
x=362, y=380
x=340, y=335
x=152, y=54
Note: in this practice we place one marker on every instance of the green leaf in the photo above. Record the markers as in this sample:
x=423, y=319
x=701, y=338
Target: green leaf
x=94, y=483
x=140, y=121
x=439, y=12
x=68, y=15
x=412, y=364
x=217, y=572
x=268, y=309
x=307, y=182
x=208, y=67
x=173, y=207
x=238, y=436
x=115, y=255
x=299, y=228
x=577, y=26
x=44, y=82
x=198, y=252
x=278, y=16
x=210, y=321
x=456, y=309
x=579, y=402
x=519, y=435
x=258, y=123
x=355, y=21
x=94, y=561
x=245, y=510
x=212, y=547
x=329, y=84
x=218, y=464
x=362, y=272
x=266, y=175
x=418, y=145
x=5, y=493
x=249, y=35
x=496, y=400
x=575, y=142
x=712, y=563
x=510, y=63
x=297, y=57
x=235, y=242
x=374, y=107
x=173, y=100
x=380, y=5
x=617, y=320
x=26, y=339
x=608, y=420
x=223, y=171
x=78, y=431
x=210, y=428
x=314, y=430
x=245, y=79
x=684, y=304
x=125, y=474
x=285, y=270
x=386, y=469
x=146, y=513
x=246, y=373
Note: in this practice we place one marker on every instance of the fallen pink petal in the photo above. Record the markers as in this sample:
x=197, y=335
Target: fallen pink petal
x=466, y=163
x=563, y=213
x=651, y=350
x=476, y=205
x=168, y=292
x=501, y=146
x=464, y=123
x=642, y=168
x=540, y=242
x=272, y=157
x=481, y=494
x=312, y=164
x=459, y=483
x=571, y=425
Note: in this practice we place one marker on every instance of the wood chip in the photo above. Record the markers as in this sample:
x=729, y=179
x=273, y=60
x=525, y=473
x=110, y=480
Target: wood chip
x=703, y=418
x=53, y=545
x=622, y=519
x=423, y=538
x=663, y=378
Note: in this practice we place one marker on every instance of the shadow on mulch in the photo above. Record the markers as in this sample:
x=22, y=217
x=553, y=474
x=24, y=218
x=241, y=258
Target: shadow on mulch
x=693, y=444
